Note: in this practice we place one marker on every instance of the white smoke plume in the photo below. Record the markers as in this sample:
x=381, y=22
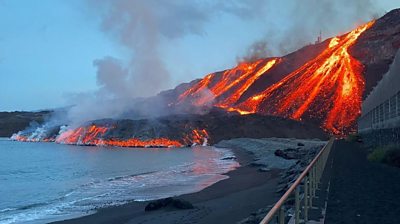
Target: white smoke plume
x=142, y=27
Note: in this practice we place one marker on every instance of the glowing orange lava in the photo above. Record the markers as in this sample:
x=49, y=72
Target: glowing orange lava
x=95, y=135
x=22, y=138
x=228, y=86
x=198, y=136
x=327, y=88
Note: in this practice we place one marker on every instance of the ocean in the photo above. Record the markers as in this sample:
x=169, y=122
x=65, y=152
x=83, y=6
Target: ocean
x=42, y=182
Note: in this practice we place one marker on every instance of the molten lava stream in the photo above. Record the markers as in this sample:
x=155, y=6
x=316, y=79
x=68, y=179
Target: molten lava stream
x=235, y=96
x=237, y=80
x=329, y=87
x=95, y=135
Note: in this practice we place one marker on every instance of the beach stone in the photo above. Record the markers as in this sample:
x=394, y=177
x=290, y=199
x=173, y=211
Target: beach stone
x=280, y=153
x=168, y=202
x=288, y=153
x=264, y=169
x=229, y=158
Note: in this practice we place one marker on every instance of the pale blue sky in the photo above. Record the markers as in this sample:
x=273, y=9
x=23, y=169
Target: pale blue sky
x=47, y=48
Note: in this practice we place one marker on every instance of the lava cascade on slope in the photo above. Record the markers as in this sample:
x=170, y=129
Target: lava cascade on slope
x=224, y=89
x=327, y=88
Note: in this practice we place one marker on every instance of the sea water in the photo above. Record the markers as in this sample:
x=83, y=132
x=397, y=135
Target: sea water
x=42, y=182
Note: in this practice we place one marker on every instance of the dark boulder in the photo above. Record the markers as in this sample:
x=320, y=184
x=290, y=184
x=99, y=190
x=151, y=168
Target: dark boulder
x=280, y=153
x=287, y=153
x=168, y=202
x=229, y=158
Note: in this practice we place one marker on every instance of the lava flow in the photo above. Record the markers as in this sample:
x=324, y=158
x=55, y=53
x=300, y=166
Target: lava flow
x=96, y=135
x=327, y=89
x=229, y=86
x=198, y=136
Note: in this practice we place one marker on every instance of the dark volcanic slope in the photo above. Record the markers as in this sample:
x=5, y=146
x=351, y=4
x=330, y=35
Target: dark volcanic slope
x=376, y=48
x=12, y=122
x=219, y=126
x=252, y=126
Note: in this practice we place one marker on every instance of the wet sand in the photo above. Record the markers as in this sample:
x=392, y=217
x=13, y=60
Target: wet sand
x=228, y=201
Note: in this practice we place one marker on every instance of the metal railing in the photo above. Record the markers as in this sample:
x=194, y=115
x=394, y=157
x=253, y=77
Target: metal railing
x=306, y=184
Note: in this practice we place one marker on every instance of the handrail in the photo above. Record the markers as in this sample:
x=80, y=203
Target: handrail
x=314, y=174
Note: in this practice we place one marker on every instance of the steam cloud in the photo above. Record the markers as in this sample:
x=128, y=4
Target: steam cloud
x=142, y=27
x=257, y=50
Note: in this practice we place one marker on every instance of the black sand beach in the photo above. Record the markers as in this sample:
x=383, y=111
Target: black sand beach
x=228, y=201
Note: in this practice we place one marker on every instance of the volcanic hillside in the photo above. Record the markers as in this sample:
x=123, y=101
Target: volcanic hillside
x=322, y=83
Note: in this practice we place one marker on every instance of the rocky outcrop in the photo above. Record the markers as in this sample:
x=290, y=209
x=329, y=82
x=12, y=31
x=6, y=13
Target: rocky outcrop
x=289, y=155
x=277, y=153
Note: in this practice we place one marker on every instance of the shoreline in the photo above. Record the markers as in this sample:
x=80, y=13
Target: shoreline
x=227, y=201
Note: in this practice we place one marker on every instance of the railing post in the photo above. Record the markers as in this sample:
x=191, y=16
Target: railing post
x=282, y=215
x=321, y=166
x=310, y=186
x=315, y=180
x=297, y=205
x=305, y=199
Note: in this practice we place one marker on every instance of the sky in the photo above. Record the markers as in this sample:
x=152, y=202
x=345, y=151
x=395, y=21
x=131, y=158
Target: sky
x=52, y=51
